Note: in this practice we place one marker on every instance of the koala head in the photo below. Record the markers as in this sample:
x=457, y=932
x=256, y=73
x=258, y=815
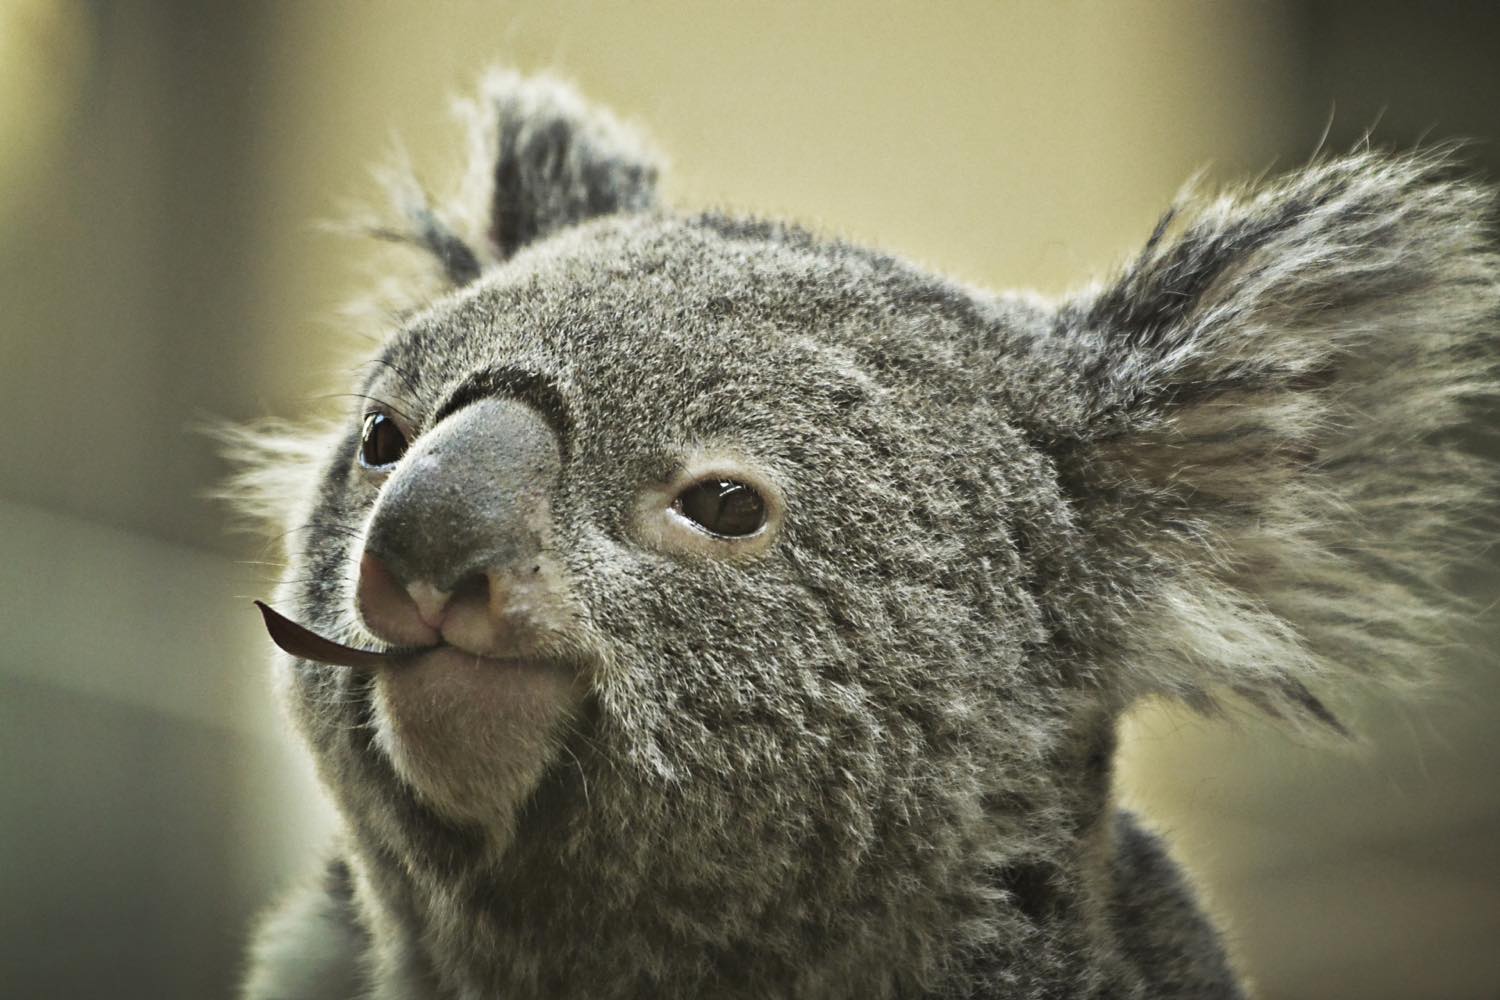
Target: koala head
x=727, y=608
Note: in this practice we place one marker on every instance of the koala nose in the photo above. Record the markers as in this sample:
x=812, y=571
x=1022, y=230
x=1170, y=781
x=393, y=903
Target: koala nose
x=463, y=513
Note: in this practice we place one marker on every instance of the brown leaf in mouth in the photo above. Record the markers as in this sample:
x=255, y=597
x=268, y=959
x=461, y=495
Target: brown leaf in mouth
x=301, y=641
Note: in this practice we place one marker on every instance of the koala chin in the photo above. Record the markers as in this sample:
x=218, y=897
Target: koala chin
x=693, y=606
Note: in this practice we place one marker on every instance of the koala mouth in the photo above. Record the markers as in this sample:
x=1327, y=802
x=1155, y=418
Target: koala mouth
x=301, y=641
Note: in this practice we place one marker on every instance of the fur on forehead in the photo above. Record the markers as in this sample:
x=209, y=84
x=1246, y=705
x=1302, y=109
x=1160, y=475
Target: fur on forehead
x=704, y=314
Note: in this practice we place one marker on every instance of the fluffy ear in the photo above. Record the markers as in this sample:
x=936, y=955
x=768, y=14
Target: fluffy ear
x=1258, y=434
x=540, y=159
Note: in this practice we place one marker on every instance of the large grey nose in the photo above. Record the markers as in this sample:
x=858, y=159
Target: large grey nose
x=471, y=497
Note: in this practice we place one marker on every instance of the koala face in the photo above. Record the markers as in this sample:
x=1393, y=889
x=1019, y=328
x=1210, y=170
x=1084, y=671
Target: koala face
x=737, y=612
x=695, y=561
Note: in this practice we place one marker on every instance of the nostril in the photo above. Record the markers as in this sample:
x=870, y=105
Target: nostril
x=378, y=588
x=387, y=607
x=472, y=589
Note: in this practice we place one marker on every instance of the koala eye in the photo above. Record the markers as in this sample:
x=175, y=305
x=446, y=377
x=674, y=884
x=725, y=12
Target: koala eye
x=381, y=443
x=722, y=507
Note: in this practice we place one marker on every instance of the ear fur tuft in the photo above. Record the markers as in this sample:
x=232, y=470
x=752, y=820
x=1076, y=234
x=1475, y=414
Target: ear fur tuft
x=540, y=159
x=1263, y=424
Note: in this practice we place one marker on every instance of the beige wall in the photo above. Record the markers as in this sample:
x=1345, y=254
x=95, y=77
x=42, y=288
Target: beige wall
x=159, y=264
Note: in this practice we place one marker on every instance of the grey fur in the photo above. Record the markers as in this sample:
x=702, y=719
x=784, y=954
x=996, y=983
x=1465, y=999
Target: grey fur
x=873, y=760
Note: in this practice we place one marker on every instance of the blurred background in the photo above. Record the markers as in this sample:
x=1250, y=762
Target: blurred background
x=162, y=167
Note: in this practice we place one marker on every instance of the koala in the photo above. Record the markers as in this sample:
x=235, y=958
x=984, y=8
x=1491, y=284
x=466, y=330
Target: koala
x=694, y=606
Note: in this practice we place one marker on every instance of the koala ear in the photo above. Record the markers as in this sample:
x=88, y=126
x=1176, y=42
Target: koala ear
x=1259, y=432
x=540, y=159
